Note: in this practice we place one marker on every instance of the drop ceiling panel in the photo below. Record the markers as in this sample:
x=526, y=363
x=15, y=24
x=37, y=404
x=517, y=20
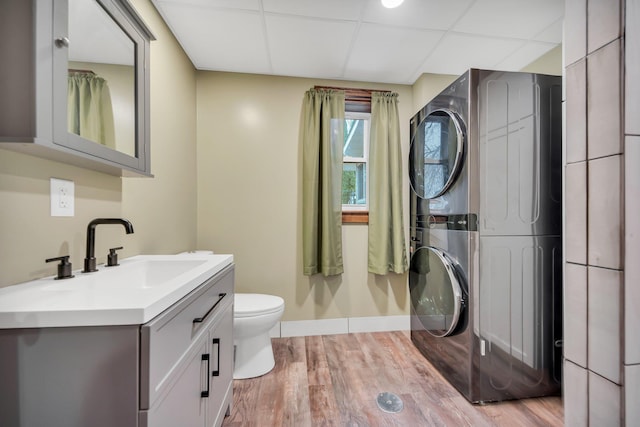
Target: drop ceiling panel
x=425, y=14
x=220, y=39
x=343, y=39
x=456, y=53
x=551, y=34
x=391, y=54
x=308, y=47
x=515, y=19
x=335, y=9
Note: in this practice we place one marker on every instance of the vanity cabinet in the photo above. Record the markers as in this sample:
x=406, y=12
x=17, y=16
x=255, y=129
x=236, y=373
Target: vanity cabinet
x=74, y=83
x=189, y=350
x=175, y=370
x=198, y=395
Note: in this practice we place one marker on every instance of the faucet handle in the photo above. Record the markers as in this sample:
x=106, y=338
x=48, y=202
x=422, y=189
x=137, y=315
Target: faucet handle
x=112, y=258
x=64, y=268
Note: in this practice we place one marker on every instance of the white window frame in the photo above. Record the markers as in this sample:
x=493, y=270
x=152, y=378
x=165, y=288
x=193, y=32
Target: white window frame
x=348, y=159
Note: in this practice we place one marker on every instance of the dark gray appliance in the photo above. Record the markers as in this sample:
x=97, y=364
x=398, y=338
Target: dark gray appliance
x=485, y=280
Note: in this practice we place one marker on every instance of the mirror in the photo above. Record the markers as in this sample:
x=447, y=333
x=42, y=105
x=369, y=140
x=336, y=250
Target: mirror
x=435, y=156
x=102, y=78
x=106, y=44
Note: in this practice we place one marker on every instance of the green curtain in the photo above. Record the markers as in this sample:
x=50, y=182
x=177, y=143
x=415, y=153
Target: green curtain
x=387, y=251
x=89, y=110
x=321, y=137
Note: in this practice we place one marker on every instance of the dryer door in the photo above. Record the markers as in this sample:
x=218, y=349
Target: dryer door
x=435, y=156
x=436, y=291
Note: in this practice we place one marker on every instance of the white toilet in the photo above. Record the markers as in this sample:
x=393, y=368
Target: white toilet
x=253, y=317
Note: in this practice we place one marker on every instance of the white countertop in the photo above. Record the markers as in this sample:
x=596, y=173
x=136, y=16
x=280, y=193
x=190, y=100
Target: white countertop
x=134, y=292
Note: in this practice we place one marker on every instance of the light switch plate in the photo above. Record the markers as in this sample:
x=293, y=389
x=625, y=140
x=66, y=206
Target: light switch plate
x=62, y=197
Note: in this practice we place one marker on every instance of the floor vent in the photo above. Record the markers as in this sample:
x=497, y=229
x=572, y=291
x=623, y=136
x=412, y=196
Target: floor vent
x=389, y=402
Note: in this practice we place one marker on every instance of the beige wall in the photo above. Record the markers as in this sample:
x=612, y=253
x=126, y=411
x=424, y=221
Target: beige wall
x=249, y=197
x=162, y=209
x=549, y=63
x=427, y=87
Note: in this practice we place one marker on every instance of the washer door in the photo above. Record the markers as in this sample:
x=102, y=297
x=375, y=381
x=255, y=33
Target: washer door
x=436, y=291
x=435, y=157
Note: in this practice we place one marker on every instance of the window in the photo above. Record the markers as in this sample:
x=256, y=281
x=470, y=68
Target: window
x=355, y=154
x=355, y=170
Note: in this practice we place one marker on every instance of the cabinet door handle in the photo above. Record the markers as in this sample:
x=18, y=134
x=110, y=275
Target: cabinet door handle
x=206, y=392
x=216, y=342
x=201, y=319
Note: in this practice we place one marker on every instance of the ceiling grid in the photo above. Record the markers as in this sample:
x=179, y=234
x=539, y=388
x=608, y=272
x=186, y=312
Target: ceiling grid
x=360, y=40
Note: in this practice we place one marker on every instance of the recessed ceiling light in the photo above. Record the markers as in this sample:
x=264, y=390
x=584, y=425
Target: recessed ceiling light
x=390, y=4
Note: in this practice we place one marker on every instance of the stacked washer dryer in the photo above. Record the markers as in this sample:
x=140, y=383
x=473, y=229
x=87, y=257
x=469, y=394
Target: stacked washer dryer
x=485, y=279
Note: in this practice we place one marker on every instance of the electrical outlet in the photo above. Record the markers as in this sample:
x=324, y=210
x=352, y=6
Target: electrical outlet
x=62, y=194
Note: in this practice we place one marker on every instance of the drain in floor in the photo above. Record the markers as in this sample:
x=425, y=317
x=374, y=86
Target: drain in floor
x=389, y=402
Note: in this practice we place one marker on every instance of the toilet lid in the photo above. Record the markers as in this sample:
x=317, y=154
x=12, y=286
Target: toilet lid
x=256, y=304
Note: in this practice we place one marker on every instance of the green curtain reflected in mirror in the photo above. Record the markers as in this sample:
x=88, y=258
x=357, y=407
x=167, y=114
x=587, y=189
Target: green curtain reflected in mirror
x=89, y=109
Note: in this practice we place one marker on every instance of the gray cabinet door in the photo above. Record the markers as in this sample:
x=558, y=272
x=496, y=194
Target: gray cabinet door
x=184, y=402
x=221, y=372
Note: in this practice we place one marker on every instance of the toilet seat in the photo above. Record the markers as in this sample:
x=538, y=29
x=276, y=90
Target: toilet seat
x=249, y=305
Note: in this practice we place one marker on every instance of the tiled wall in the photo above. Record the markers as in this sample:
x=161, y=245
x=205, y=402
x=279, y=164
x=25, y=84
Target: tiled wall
x=602, y=201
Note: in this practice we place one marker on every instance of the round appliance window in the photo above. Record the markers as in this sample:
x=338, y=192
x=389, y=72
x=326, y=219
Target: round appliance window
x=435, y=156
x=436, y=293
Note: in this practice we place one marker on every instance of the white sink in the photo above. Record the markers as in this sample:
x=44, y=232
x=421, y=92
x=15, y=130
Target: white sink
x=131, y=274
x=134, y=292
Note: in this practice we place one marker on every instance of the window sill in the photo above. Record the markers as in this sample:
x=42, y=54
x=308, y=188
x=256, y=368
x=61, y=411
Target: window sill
x=355, y=217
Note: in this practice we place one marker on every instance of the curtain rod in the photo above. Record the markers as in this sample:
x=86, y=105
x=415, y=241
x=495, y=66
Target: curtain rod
x=358, y=100
x=73, y=70
x=355, y=96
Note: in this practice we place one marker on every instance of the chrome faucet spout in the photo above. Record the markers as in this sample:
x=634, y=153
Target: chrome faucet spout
x=90, y=258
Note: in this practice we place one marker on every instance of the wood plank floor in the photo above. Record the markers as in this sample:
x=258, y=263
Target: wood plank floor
x=333, y=380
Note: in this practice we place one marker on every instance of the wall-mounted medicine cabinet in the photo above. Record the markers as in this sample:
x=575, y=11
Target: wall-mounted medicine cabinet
x=74, y=83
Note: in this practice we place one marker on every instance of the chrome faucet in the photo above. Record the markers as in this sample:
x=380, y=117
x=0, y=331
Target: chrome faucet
x=90, y=259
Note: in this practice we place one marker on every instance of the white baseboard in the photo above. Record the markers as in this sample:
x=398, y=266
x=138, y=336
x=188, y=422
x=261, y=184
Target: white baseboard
x=379, y=324
x=344, y=325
